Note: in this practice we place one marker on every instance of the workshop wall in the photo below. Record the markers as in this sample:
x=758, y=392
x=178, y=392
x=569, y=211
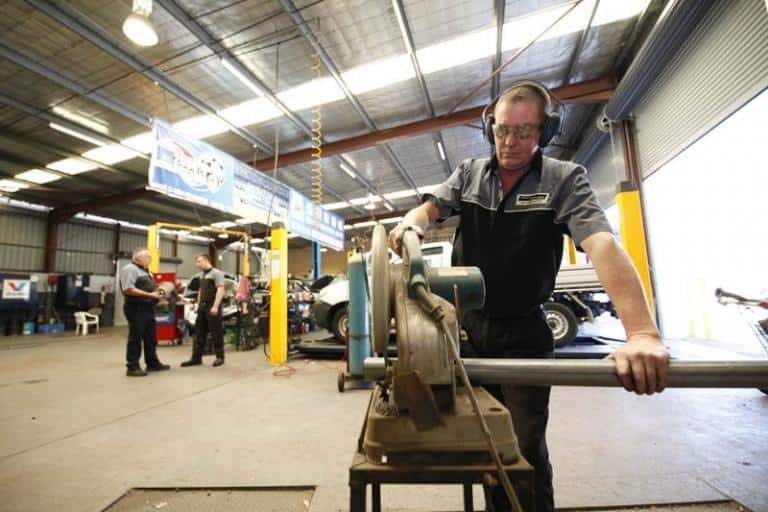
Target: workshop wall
x=21, y=248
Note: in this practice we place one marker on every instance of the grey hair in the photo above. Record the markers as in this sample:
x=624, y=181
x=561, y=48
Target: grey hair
x=138, y=250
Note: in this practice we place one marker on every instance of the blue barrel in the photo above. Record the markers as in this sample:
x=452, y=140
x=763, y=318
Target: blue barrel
x=359, y=316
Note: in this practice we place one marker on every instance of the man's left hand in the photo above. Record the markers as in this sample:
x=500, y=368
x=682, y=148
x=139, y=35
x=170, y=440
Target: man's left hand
x=642, y=363
x=214, y=311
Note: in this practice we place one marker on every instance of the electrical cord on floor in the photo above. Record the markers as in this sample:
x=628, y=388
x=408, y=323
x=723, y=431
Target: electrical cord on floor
x=436, y=312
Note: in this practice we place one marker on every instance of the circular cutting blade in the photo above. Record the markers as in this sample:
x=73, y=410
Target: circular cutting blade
x=380, y=307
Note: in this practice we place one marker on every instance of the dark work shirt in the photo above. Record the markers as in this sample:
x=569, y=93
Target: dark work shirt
x=517, y=240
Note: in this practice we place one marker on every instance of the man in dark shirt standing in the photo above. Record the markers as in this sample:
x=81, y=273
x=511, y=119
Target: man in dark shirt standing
x=514, y=209
x=140, y=292
x=209, y=296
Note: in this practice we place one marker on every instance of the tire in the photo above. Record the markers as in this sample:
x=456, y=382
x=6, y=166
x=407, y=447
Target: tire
x=340, y=381
x=764, y=390
x=562, y=321
x=340, y=323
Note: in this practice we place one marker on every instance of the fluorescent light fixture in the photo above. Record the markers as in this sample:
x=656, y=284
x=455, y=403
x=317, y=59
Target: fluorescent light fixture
x=312, y=94
x=96, y=218
x=323, y=249
x=111, y=154
x=142, y=142
x=336, y=206
x=250, y=112
x=201, y=127
x=347, y=170
x=403, y=29
x=223, y=224
x=76, y=133
x=23, y=204
x=256, y=240
x=71, y=166
x=390, y=220
x=80, y=119
x=347, y=227
x=38, y=176
x=138, y=27
x=389, y=207
x=379, y=74
x=12, y=185
x=243, y=222
x=223, y=235
x=366, y=224
x=441, y=150
x=232, y=68
x=400, y=194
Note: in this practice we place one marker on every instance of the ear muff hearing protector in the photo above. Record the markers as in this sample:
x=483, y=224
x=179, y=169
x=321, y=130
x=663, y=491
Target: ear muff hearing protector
x=549, y=127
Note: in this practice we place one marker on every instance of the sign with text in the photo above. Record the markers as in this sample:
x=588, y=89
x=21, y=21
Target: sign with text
x=16, y=289
x=198, y=172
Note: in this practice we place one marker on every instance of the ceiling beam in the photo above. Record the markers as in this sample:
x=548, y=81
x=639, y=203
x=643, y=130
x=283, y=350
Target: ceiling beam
x=310, y=37
x=38, y=144
x=215, y=46
x=590, y=91
x=87, y=92
x=64, y=213
x=85, y=28
x=52, y=118
x=499, y=7
x=437, y=137
x=577, y=50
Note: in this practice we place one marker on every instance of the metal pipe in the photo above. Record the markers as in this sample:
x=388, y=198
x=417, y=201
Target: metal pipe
x=546, y=372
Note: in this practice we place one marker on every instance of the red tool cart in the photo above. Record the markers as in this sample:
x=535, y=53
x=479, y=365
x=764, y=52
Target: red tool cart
x=166, y=318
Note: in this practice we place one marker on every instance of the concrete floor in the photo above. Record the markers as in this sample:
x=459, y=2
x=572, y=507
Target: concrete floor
x=76, y=433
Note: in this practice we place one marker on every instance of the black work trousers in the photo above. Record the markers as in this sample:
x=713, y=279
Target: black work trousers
x=208, y=323
x=526, y=337
x=141, y=328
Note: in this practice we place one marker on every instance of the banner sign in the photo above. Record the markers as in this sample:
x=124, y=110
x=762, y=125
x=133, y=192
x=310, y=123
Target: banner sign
x=198, y=172
x=314, y=223
x=16, y=289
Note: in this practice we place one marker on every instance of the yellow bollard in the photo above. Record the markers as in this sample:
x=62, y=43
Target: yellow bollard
x=278, y=296
x=633, y=234
x=153, y=244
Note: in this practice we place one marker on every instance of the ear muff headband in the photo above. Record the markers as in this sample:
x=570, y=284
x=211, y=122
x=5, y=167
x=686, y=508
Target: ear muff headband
x=549, y=127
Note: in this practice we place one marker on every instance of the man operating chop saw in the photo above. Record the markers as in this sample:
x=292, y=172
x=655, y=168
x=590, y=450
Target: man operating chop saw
x=514, y=208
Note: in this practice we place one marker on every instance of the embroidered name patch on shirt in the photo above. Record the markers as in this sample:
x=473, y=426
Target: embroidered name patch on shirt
x=529, y=199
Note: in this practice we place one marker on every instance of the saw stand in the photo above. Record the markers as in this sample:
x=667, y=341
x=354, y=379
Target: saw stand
x=362, y=473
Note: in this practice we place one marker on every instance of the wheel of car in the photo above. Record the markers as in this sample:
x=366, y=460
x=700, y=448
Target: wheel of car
x=562, y=321
x=340, y=323
x=764, y=390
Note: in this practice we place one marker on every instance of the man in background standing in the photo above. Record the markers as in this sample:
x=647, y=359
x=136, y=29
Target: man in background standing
x=209, y=296
x=140, y=292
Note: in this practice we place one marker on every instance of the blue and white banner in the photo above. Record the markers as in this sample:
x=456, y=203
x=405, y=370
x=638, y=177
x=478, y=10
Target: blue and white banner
x=312, y=222
x=198, y=172
x=191, y=170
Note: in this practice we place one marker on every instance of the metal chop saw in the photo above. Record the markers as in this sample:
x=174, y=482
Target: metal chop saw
x=418, y=414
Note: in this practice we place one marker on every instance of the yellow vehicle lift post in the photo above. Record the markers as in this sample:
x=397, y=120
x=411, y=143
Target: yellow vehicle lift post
x=278, y=296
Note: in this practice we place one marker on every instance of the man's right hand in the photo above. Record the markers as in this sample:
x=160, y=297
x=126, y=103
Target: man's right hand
x=396, y=236
x=157, y=295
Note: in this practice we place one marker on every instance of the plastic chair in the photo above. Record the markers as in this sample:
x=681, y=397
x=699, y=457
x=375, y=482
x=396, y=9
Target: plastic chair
x=83, y=320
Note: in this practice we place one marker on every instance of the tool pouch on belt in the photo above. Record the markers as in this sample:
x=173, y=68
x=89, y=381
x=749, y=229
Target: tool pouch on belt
x=524, y=336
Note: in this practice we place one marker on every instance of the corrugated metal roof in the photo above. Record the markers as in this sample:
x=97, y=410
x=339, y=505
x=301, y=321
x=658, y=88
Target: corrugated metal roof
x=352, y=32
